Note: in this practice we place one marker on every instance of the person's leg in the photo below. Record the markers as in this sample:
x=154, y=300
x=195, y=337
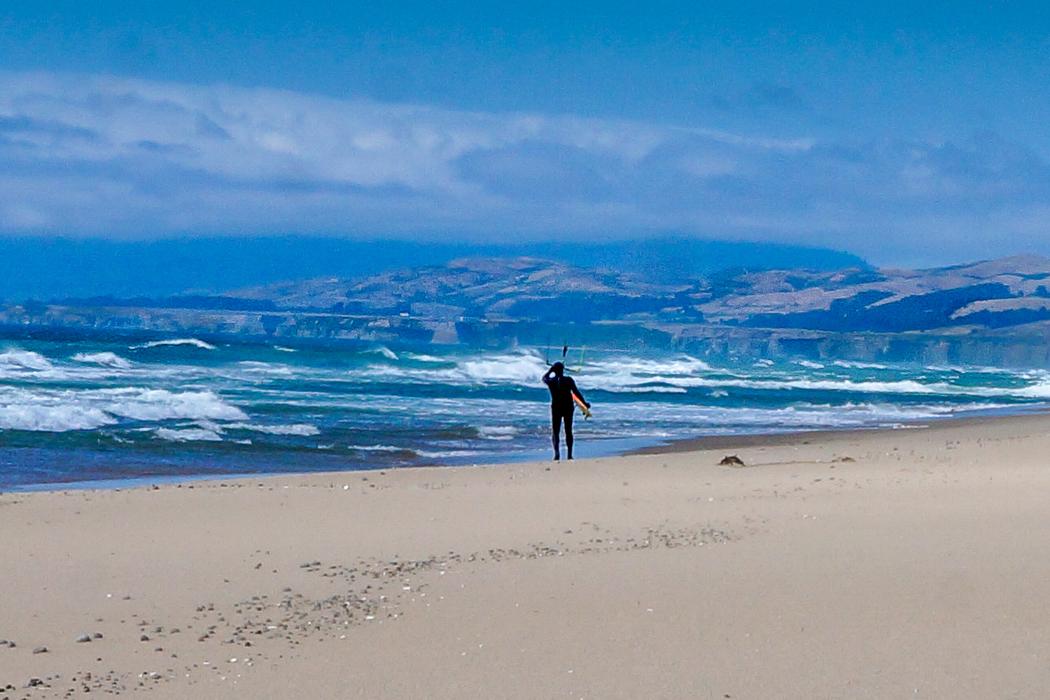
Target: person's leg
x=556, y=433
x=568, y=433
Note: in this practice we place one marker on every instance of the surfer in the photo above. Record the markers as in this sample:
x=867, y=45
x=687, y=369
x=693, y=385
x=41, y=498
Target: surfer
x=564, y=396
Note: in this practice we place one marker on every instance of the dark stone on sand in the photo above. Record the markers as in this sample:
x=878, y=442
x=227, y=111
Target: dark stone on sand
x=83, y=638
x=731, y=461
x=97, y=635
x=40, y=650
x=34, y=682
x=144, y=638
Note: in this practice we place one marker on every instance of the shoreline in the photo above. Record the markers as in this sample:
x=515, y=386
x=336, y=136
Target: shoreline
x=703, y=443
x=802, y=437
x=877, y=563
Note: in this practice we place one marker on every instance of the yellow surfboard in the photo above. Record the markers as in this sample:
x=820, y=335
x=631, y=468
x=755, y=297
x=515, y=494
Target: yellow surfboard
x=583, y=407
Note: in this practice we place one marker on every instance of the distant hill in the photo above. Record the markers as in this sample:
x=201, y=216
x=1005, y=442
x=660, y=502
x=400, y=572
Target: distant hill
x=46, y=269
x=991, y=293
x=989, y=312
x=496, y=288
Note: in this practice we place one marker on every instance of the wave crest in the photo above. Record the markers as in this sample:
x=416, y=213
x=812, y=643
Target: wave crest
x=187, y=435
x=24, y=360
x=302, y=429
x=58, y=410
x=192, y=342
x=104, y=359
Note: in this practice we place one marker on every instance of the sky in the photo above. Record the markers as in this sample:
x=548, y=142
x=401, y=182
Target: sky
x=908, y=135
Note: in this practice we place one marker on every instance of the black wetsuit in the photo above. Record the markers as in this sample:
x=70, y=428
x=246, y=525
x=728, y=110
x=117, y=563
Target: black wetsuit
x=562, y=408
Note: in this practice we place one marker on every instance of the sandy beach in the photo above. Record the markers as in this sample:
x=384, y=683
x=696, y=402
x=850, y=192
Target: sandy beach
x=883, y=564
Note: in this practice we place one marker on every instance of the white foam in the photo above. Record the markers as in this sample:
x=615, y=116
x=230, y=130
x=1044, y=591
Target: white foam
x=161, y=404
x=516, y=368
x=304, y=429
x=443, y=454
x=497, y=432
x=850, y=364
x=674, y=375
x=644, y=389
x=384, y=351
x=104, y=359
x=265, y=368
x=808, y=364
x=187, y=435
x=24, y=360
x=43, y=417
x=426, y=358
x=56, y=410
x=281, y=348
x=378, y=448
x=1039, y=390
x=193, y=342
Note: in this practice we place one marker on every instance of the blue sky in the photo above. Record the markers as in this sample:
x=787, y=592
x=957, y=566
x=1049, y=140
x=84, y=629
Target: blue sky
x=908, y=135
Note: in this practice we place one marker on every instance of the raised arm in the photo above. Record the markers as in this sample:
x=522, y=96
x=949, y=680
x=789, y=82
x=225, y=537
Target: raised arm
x=547, y=376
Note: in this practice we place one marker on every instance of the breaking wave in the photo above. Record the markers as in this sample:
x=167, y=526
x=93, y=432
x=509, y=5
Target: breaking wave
x=303, y=429
x=103, y=359
x=161, y=404
x=25, y=360
x=265, y=368
x=187, y=435
x=497, y=432
x=521, y=368
x=849, y=364
x=192, y=342
x=384, y=351
x=69, y=409
x=678, y=375
x=426, y=358
x=52, y=419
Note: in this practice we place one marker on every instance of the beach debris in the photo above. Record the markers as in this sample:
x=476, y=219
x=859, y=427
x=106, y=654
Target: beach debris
x=34, y=682
x=732, y=461
x=144, y=638
x=83, y=639
x=40, y=650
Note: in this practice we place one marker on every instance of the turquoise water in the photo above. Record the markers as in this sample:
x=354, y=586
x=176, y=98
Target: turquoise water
x=77, y=409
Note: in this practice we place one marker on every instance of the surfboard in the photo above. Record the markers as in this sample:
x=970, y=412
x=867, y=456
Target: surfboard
x=583, y=407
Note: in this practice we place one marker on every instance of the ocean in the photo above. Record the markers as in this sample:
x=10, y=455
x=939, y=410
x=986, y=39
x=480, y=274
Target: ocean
x=78, y=411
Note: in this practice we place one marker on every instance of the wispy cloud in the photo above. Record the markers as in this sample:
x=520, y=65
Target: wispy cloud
x=103, y=155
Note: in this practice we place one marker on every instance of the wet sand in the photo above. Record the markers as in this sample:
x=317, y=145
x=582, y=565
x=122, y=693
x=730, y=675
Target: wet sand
x=863, y=565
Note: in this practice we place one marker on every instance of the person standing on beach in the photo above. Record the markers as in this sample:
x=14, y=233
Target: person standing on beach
x=563, y=406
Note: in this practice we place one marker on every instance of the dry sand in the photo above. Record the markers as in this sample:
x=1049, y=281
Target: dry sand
x=909, y=563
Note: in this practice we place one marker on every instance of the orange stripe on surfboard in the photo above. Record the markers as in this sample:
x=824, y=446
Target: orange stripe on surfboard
x=583, y=407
